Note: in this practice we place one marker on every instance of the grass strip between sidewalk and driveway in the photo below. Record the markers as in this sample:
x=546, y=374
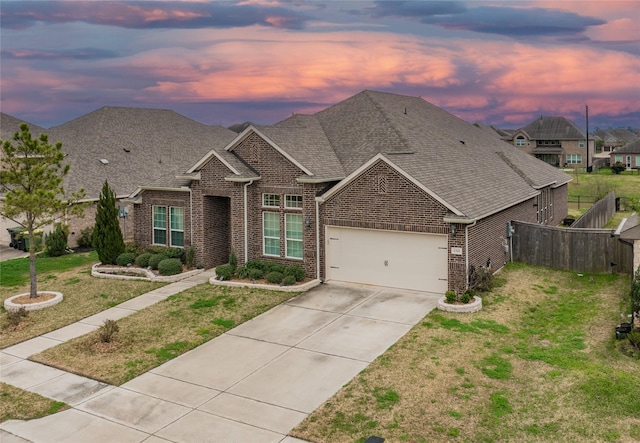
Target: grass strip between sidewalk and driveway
x=537, y=364
x=161, y=332
x=17, y=404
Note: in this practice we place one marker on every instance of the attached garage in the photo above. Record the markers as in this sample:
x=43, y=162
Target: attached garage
x=406, y=260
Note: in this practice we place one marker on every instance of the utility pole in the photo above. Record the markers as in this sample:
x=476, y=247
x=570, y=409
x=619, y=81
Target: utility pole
x=587, y=115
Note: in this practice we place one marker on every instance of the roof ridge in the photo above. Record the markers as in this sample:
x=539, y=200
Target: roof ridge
x=381, y=109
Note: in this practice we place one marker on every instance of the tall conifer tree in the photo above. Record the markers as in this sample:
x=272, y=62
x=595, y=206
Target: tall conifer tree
x=107, y=236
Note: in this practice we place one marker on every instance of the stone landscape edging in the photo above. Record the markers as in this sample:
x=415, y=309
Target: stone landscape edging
x=293, y=288
x=13, y=307
x=474, y=306
x=145, y=274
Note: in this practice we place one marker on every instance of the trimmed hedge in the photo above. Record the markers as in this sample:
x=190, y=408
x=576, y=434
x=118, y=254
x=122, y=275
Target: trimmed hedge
x=224, y=272
x=274, y=277
x=289, y=280
x=126, y=258
x=255, y=274
x=170, y=266
x=143, y=259
x=296, y=271
x=155, y=260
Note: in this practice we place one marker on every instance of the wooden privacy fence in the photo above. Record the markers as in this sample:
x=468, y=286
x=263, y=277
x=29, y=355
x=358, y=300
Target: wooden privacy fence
x=599, y=214
x=592, y=251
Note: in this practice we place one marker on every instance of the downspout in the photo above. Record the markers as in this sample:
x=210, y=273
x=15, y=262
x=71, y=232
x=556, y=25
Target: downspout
x=318, y=240
x=246, y=223
x=190, y=216
x=466, y=252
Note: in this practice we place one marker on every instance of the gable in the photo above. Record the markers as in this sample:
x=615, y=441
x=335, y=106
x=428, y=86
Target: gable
x=274, y=167
x=380, y=183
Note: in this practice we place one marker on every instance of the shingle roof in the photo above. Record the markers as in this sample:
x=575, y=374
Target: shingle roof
x=9, y=125
x=140, y=146
x=629, y=148
x=553, y=128
x=467, y=167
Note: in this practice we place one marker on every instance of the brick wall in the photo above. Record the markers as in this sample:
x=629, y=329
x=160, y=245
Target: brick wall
x=278, y=176
x=143, y=231
x=488, y=239
x=381, y=198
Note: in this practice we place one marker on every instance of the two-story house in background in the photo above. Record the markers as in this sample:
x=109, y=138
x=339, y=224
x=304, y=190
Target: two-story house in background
x=554, y=140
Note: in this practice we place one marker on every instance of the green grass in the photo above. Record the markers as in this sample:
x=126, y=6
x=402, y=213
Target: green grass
x=161, y=332
x=538, y=363
x=16, y=272
x=588, y=185
x=17, y=404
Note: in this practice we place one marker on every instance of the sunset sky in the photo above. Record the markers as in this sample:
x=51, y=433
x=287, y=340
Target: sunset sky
x=502, y=63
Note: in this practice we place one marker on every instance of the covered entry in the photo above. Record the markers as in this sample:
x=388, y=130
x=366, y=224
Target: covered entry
x=406, y=260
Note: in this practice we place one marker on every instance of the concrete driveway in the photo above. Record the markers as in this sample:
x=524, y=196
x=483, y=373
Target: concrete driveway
x=254, y=383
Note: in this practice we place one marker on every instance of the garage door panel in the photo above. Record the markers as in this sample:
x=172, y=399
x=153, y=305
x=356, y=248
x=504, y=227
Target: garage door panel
x=387, y=258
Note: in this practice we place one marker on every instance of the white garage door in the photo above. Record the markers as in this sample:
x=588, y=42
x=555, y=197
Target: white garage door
x=387, y=258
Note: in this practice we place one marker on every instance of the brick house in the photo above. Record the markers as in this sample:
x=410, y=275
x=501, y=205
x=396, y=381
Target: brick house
x=628, y=155
x=128, y=147
x=380, y=189
x=554, y=140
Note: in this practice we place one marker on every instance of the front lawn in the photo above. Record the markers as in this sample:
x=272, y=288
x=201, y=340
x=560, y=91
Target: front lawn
x=538, y=363
x=84, y=295
x=161, y=332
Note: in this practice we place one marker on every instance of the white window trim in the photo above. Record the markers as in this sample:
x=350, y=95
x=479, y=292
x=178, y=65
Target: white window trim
x=153, y=225
x=521, y=141
x=271, y=194
x=171, y=230
x=286, y=205
x=264, y=237
x=287, y=239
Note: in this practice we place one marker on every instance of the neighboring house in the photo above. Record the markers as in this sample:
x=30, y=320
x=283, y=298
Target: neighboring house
x=380, y=189
x=628, y=155
x=613, y=139
x=554, y=140
x=127, y=147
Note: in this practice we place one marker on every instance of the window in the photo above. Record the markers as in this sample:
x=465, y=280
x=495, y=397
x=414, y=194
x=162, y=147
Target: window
x=293, y=201
x=637, y=161
x=271, y=233
x=271, y=200
x=176, y=225
x=618, y=158
x=520, y=141
x=574, y=159
x=159, y=225
x=581, y=143
x=293, y=230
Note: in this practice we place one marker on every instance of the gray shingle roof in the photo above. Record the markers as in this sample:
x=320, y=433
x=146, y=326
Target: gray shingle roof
x=553, y=128
x=9, y=125
x=467, y=167
x=140, y=146
x=629, y=148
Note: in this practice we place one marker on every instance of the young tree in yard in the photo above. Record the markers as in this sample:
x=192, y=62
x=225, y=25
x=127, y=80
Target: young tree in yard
x=31, y=176
x=107, y=236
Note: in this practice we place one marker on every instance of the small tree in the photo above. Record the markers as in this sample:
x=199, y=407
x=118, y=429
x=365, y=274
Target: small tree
x=31, y=176
x=107, y=236
x=55, y=243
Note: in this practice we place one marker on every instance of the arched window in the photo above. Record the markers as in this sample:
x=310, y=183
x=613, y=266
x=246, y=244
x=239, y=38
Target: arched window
x=520, y=141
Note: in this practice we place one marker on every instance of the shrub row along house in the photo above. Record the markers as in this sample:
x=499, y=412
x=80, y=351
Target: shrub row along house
x=380, y=189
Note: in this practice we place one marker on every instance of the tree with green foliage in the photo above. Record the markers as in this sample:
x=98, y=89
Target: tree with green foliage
x=107, y=236
x=31, y=180
x=55, y=243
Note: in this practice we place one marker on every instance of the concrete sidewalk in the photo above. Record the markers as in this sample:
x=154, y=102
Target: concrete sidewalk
x=252, y=384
